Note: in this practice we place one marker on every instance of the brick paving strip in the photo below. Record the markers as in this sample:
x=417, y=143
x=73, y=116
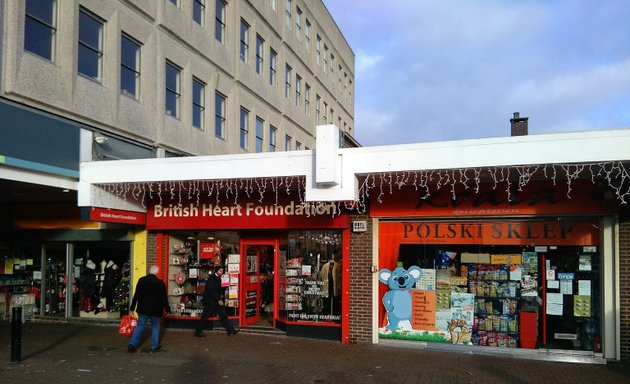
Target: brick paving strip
x=79, y=353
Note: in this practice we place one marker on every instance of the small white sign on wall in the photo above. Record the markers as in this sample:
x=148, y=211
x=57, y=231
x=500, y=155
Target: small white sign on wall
x=359, y=226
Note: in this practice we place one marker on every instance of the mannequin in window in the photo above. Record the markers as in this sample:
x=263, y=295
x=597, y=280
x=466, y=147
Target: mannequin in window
x=90, y=299
x=111, y=279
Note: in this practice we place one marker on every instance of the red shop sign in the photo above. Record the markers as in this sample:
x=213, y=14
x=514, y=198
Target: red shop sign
x=492, y=232
x=536, y=198
x=245, y=213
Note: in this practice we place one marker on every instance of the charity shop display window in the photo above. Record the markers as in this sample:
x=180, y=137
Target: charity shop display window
x=498, y=284
x=191, y=258
x=310, y=277
x=101, y=279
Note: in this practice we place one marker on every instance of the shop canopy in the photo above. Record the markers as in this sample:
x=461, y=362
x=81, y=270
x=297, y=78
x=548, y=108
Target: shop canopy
x=331, y=173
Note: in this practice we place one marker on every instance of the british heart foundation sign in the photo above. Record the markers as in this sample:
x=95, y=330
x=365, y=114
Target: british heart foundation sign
x=423, y=305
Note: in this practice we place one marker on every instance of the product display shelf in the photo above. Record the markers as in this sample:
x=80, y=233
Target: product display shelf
x=496, y=320
x=292, y=294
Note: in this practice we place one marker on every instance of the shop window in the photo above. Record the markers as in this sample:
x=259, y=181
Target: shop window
x=310, y=277
x=521, y=284
x=192, y=256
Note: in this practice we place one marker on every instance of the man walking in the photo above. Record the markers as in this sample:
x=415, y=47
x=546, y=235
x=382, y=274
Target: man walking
x=151, y=301
x=213, y=303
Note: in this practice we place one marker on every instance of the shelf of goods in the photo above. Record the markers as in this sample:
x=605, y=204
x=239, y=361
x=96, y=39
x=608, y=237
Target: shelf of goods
x=496, y=321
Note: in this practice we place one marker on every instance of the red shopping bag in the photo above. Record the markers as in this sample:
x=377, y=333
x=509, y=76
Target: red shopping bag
x=127, y=325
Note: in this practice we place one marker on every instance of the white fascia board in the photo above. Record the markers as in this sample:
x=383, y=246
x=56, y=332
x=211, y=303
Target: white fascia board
x=561, y=148
x=277, y=164
x=557, y=148
x=27, y=176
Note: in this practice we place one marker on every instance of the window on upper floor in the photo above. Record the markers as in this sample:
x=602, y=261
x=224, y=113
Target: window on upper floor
x=90, y=60
x=272, y=4
x=244, y=40
x=287, y=81
x=318, y=106
x=307, y=99
x=307, y=35
x=287, y=143
x=129, y=66
x=260, y=54
x=287, y=14
x=198, y=104
x=325, y=116
x=332, y=66
x=332, y=116
x=259, y=134
x=199, y=11
x=244, y=123
x=298, y=87
x=298, y=146
x=272, y=138
x=40, y=28
x=219, y=115
x=175, y=2
x=272, y=66
x=298, y=23
x=318, y=46
x=220, y=20
x=325, y=59
x=173, y=89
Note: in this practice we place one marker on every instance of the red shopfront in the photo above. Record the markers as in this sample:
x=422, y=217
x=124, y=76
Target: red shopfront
x=489, y=271
x=285, y=262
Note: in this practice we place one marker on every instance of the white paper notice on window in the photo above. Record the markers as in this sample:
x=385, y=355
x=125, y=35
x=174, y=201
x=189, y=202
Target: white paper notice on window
x=554, y=309
x=516, y=273
x=554, y=298
x=566, y=287
x=584, y=287
x=553, y=284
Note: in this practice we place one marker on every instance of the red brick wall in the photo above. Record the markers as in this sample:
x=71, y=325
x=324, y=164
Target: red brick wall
x=624, y=285
x=361, y=284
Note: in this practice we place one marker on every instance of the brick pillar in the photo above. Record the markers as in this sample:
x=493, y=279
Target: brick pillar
x=361, y=283
x=624, y=286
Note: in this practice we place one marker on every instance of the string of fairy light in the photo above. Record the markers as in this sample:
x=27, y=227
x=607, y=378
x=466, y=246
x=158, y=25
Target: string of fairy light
x=508, y=178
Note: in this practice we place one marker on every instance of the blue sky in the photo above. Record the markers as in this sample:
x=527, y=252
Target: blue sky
x=450, y=70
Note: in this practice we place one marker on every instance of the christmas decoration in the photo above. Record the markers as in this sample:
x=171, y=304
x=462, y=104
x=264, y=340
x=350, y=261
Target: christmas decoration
x=121, y=292
x=612, y=175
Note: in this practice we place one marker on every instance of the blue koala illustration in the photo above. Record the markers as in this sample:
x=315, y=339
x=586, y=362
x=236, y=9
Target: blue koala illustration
x=397, y=300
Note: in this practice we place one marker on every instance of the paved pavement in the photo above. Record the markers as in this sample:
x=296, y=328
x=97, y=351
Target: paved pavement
x=90, y=353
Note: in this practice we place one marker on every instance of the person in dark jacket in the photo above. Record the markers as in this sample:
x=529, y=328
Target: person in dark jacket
x=213, y=303
x=150, y=301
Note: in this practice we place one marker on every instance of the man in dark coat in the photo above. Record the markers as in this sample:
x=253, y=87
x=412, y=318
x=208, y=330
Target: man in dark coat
x=213, y=303
x=151, y=302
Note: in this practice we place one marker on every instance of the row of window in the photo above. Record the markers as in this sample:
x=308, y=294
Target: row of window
x=273, y=132
x=40, y=39
x=328, y=66
x=324, y=57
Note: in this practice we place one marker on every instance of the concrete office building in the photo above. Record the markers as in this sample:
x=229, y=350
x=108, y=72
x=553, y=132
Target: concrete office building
x=84, y=80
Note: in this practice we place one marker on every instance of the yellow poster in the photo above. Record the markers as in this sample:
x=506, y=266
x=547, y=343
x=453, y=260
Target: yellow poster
x=8, y=266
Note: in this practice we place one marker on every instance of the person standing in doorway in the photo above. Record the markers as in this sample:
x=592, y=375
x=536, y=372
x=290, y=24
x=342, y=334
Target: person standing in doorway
x=213, y=303
x=151, y=303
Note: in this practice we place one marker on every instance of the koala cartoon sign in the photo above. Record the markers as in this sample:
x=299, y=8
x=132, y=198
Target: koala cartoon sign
x=398, y=300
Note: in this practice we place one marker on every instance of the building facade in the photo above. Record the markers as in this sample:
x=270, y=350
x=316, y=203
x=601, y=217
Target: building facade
x=516, y=243
x=91, y=80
